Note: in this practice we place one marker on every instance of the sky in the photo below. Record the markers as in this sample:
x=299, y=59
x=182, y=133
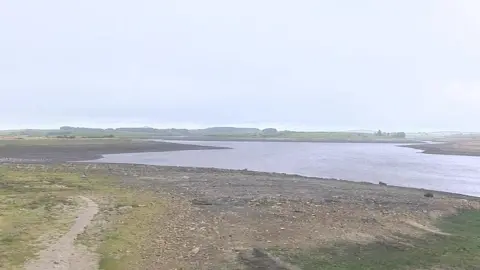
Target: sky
x=308, y=64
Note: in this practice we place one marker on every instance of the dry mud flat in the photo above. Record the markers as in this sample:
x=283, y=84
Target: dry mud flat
x=223, y=219
x=56, y=151
x=457, y=148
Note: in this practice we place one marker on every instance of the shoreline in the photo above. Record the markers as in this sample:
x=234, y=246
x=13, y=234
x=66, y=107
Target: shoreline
x=223, y=139
x=139, y=170
x=448, y=149
x=89, y=152
x=285, y=176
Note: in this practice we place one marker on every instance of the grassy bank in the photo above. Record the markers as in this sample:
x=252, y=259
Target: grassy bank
x=458, y=247
x=38, y=205
x=32, y=205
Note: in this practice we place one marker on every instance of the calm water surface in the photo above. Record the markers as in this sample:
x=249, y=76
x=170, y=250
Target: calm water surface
x=351, y=161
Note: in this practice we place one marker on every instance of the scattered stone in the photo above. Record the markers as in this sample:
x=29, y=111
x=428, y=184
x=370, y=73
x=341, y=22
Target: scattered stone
x=195, y=251
x=125, y=209
x=201, y=202
x=369, y=220
x=331, y=201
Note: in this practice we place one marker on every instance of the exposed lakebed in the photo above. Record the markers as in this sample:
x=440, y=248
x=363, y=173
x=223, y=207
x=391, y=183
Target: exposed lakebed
x=366, y=162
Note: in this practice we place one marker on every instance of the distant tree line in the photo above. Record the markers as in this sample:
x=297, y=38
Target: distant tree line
x=270, y=131
x=85, y=137
x=400, y=135
x=65, y=137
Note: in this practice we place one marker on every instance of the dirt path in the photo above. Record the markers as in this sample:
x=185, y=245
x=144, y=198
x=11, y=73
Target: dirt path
x=64, y=254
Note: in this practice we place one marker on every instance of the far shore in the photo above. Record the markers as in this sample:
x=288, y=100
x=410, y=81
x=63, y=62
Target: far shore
x=251, y=139
x=58, y=151
x=458, y=148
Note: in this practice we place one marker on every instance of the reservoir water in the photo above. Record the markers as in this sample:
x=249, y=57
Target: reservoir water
x=350, y=161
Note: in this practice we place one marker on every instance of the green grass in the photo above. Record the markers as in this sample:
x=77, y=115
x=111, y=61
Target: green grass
x=460, y=250
x=308, y=136
x=40, y=203
x=125, y=243
x=32, y=205
x=225, y=133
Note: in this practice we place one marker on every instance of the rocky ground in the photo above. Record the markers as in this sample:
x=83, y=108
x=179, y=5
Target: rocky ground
x=225, y=219
x=222, y=219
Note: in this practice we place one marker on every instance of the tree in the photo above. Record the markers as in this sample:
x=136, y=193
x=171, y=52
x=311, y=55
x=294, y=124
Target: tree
x=402, y=135
x=379, y=133
x=270, y=131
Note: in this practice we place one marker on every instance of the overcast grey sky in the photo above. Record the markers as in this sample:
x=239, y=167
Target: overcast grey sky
x=305, y=64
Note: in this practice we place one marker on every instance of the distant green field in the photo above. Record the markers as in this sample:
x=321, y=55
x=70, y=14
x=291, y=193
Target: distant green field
x=77, y=133
x=304, y=135
x=223, y=133
x=308, y=136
